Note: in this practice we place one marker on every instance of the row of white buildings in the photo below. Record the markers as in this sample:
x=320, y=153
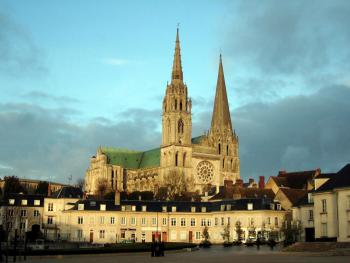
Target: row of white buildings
x=319, y=204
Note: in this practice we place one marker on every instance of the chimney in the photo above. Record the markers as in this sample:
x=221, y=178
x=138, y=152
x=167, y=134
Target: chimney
x=49, y=192
x=282, y=173
x=251, y=180
x=239, y=182
x=117, y=197
x=262, y=182
x=228, y=188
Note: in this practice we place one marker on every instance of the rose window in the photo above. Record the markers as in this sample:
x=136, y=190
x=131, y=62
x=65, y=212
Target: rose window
x=205, y=171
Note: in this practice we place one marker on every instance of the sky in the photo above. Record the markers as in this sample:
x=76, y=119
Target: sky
x=78, y=74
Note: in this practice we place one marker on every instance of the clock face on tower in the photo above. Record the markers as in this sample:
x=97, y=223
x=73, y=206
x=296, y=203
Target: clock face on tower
x=205, y=172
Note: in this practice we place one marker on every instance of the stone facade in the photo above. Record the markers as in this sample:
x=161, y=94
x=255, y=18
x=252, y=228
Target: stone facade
x=199, y=162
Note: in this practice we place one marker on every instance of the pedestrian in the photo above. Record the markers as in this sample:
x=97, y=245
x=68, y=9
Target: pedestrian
x=258, y=243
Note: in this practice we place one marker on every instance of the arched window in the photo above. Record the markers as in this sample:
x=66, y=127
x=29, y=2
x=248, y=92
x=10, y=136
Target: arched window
x=223, y=163
x=176, y=159
x=175, y=104
x=219, y=148
x=184, y=160
x=232, y=164
x=180, y=105
x=168, y=129
x=180, y=127
x=226, y=149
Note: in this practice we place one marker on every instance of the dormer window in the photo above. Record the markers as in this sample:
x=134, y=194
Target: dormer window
x=310, y=198
x=144, y=208
x=133, y=208
x=36, y=202
x=278, y=206
x=193, y=209
x=11, y=201
x=173, y=209
x=80, y=206
x=103, y=207
x=250, y=206
x=204, y=209
x=24, y=202
x=92, y=203
x=164, y=209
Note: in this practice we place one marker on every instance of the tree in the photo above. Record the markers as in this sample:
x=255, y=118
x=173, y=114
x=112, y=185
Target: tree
x=291, y=231
x=239, y=231
x=226, y=234
x=42, y=188
x=176, y=185
x=80, y=183
x=205, y=234
x=12, y=185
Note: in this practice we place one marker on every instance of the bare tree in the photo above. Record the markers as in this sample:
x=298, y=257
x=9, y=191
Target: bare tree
x=80, y=183
x=175, y=183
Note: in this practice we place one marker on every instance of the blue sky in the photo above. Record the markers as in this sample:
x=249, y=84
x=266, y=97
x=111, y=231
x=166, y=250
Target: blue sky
x=78, y=74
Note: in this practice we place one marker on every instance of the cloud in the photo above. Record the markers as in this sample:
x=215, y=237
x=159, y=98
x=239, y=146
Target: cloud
x=19, y=56
x=114, y=61
x=46, y=143
x=5, y=167
x=37, y=95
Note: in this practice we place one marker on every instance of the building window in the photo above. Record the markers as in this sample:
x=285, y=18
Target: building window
x=50, y=220
x=102, y=234
x=79, y=233
x=276, y=221
x=164, y=221
x=222, y=208
x=204, y=209
x=193, y=222
x=133, y=221
x=229, y=220
x=310, y=198
x=209, y=222
x=173, y=209
x=80, y=206
x=311, y=215
x=143, y=221
x=203, y=222
x=102, y=207
x=193, y=209
x=173, y=221
x=324, y=230
x=22, y=225
x=80, y=220
x=164, y=209
x=324, y=206
x=176, y=158
x=222, y=221
x=50, y=207
x=268, y=220
x=23, y=213
x=154, y=221
x=11, y=201
x=102, y=220
x=180, y=127
x=10, y=212
x=123, y=221
x=133, y=208
x=36, y=202
x=112, y=220
x=216, y=221
x=36, y=212
x=250, y=206
x=278, y=206
x=24, y=202
x=198, y=235
x=144, y=208
x=183, y=222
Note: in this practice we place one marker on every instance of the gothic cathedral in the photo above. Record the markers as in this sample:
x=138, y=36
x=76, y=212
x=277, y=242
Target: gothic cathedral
x=200, y=163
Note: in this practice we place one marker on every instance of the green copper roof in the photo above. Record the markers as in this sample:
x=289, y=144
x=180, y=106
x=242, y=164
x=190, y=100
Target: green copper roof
x=136, y=159
x=197, y=140
x=132, y=159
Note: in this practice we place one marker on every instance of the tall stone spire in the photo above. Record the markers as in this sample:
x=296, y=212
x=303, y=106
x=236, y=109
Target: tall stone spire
x=221, y=113
x=177, y=68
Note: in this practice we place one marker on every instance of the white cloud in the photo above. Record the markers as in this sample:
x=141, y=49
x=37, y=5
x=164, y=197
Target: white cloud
x=5, y=167
x=114, y=61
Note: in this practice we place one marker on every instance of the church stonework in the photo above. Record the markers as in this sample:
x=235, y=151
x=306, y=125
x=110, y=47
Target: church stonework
x=199, y=162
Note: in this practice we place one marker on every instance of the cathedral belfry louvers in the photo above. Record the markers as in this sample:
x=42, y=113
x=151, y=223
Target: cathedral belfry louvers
x=200, y=162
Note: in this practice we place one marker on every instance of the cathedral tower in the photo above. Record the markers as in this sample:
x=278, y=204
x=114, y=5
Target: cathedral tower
x=221, y=135
x=176, y=119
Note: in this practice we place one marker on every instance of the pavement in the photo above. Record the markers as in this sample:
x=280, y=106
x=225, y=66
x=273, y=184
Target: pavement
x=215, y=254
